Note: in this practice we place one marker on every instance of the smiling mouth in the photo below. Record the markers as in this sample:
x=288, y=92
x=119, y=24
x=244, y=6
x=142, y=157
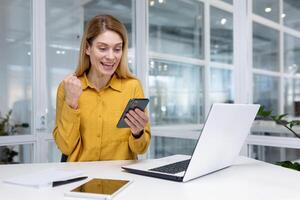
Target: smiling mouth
x=107, y=65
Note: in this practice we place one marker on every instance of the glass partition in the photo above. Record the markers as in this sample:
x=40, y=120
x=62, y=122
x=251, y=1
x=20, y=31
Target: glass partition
x=290, y=15
x=176, y=93
x=265, y=48
x=221, y=86
x=291, y=54
x=14, y=154
x=273, y=154
x=292, y=96
x=167, y=146
x=268, y=9
x=54, y=154
x=16, y=67
x=266, y=92
x=177, y=31
x=221, y=36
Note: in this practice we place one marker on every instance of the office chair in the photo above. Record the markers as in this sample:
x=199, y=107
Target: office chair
x=64, y=158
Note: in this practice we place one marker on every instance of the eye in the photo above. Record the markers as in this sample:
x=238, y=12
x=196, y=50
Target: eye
x=118, y=49
x=102, y=48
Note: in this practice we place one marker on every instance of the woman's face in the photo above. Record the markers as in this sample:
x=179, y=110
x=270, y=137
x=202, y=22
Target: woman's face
x=105, y=52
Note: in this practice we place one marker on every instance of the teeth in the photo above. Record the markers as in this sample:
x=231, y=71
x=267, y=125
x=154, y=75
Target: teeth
x=107, y=66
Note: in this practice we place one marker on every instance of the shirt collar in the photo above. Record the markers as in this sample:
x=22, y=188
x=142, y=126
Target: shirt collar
x=84, y=82
x=114, y=83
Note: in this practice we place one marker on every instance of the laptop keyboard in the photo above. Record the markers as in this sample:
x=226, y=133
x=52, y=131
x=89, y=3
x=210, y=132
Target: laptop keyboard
x=173, y=168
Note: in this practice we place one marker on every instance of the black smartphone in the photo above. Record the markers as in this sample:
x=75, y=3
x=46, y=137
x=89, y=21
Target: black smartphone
x=132, y=104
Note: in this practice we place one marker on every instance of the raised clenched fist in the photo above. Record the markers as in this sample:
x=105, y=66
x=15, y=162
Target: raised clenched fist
x=73, y=90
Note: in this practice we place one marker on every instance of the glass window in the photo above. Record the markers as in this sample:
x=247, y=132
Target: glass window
x=16, y=154
x=265, y=48
x=166, y=146
x=176, y=93
x=228, y=1
x=177, y=31
x=65, y=22
x=266, y=92
x=221, y=36
x=123, y=10
x=221, y=86
x=291, y=54
x=290, y=15
x=54, y=154
x=267, y=8
x=15, y=66
x=273, y=154
x=292, y=97
x=63, y=33
x=270, y=128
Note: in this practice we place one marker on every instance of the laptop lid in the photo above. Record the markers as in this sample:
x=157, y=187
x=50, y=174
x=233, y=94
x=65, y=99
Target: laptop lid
x=223, y=135
x=220, y=142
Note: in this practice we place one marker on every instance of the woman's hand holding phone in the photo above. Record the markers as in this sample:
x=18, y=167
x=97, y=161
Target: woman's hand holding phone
x=136, y=120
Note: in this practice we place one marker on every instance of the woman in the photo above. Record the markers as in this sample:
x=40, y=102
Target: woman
x=91, y=101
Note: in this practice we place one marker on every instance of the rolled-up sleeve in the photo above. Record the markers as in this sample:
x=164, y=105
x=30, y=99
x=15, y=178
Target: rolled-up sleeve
x=66, y=132
x=140, y=145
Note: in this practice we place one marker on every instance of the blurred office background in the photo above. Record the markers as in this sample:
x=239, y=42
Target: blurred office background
x=187, y=53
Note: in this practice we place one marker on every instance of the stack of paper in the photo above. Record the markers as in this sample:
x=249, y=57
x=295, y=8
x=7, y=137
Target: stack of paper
x=43, y=178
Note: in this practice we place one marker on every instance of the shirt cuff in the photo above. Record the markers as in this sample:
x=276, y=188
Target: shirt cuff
x=139, y=138
x=139, y=135
x=69, y=114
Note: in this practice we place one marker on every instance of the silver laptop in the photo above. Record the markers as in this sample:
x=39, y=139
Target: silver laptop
x=223, y=135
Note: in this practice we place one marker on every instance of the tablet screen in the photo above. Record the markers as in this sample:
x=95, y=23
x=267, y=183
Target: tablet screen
x=101, y=186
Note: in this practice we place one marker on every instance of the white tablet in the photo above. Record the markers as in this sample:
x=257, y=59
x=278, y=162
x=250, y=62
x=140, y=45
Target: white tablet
x=99, y=188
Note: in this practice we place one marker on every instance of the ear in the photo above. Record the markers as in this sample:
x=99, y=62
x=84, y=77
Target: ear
x=88, y=50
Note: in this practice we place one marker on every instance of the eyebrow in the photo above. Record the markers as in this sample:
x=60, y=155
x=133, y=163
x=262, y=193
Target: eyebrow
x=102, y=43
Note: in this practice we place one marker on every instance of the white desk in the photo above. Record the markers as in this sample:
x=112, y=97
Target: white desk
x=247, y=179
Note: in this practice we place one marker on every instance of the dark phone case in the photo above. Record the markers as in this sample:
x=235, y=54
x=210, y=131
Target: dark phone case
x=132, y=104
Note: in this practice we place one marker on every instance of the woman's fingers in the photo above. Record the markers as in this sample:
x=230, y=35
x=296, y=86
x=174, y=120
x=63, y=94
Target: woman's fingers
x=136, y=120
x=73, y=90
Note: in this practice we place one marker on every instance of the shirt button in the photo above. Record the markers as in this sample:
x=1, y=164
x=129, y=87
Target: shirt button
x=98, y=135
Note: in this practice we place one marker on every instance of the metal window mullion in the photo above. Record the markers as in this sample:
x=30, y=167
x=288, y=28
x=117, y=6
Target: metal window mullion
x=175, y=58
x=222, y=5
x=250, y=51
x=141, y=52
x=266, y=72
x=17, y=140
x=241, y=40
x=291, y=32
x=281, y=60
x=222, y=65
x=206, y=57
x=265, y=22
x=39, y=74
x=242, y=55
x=141, y=48
x=249, y=59
x=275, y=141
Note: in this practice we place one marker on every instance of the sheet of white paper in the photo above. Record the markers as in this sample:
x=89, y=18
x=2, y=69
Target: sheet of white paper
x=43, y=178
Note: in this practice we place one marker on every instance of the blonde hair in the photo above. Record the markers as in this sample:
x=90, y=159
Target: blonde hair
x=96, y=26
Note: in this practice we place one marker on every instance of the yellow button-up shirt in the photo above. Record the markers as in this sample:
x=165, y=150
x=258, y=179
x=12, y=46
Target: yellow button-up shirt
x=90, y=132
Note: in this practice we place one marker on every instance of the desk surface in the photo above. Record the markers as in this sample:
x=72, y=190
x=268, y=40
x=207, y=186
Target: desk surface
x=246, y=179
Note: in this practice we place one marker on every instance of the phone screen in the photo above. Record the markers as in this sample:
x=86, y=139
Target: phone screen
x=101, y=186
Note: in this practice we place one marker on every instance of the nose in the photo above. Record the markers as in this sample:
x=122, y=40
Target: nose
x=110, y=54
